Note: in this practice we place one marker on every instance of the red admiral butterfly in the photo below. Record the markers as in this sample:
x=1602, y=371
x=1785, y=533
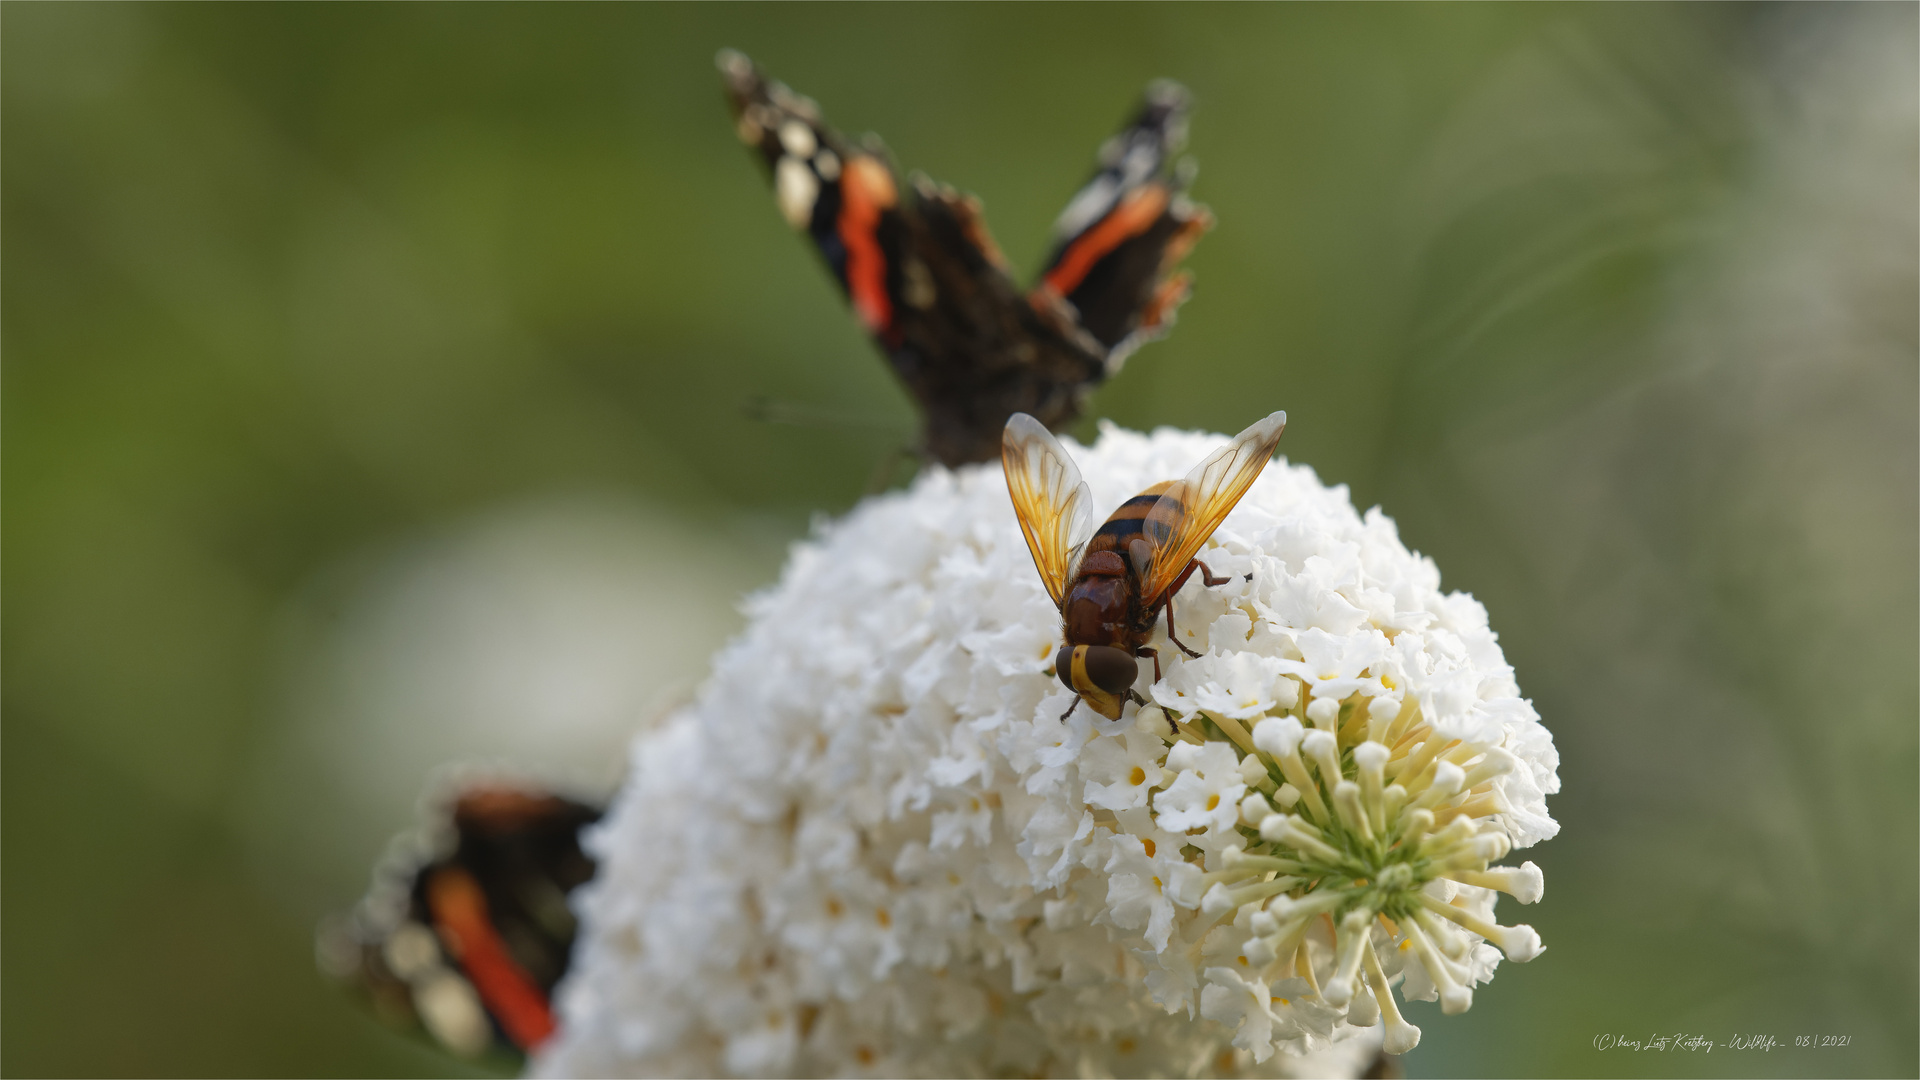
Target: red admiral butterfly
x=930, y=286
x=468, y=937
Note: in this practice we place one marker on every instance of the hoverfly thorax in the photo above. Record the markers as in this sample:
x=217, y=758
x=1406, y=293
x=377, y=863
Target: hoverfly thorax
x=1099, y=607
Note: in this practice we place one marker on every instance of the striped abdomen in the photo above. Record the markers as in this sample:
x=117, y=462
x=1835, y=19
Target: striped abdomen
x=1130, y=523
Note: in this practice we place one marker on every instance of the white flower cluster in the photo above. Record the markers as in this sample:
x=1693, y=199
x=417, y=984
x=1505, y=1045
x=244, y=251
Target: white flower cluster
x=875, y=846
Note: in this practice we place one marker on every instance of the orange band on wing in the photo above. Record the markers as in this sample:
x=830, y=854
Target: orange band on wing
x=866, y=189
x=1170, y=295
x=509, y=993
x=1135, y=215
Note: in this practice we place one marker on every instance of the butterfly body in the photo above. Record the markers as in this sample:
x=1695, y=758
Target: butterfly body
x=1112, y=583
x=929, y=285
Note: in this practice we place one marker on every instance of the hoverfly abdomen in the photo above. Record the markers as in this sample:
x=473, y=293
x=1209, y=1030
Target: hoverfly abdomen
x=1129, y=521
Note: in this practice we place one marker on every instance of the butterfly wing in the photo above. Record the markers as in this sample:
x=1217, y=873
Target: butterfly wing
x=1052, y=503
x=1190, y=510
x=467, y=930
x=842, y=195
x=1118, y=242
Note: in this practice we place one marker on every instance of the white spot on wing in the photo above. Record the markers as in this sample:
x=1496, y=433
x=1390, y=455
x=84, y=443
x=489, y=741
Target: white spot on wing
x=827, y=164
x=797, y=139
x=410, y=951
x=795, y=188
x=1141, y=159
x=451, y=1010
x=1089, y=206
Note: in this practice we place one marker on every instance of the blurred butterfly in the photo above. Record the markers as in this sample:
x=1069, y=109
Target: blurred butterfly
x=467, y=928
x=930, y=286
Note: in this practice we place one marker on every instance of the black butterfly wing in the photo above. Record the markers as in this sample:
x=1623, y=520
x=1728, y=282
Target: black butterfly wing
x=1119, y=242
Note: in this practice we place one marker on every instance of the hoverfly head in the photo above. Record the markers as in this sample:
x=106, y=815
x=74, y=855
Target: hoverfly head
x=1096, y=669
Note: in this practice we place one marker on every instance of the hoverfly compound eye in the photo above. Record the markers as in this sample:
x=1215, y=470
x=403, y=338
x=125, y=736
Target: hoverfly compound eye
x=1063, y=666
x=1111, y=669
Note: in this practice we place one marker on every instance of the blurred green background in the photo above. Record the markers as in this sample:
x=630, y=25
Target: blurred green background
x=373, y=397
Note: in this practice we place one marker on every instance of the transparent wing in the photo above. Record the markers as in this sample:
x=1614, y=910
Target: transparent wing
x=1191, y=509
x=1050, y=499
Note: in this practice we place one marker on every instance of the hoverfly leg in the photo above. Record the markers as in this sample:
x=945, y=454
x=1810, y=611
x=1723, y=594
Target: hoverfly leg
x=1144, y=651
x=1182, y=645
x=1206, y=575
x=1145, y=704
x=1206, y=578
x=1070, y=708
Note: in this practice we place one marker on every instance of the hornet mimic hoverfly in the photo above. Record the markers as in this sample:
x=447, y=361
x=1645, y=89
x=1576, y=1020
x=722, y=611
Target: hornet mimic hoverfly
x=1110, y=583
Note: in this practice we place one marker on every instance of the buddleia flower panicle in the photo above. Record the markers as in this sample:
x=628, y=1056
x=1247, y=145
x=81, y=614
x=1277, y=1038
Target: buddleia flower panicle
x=874, y=845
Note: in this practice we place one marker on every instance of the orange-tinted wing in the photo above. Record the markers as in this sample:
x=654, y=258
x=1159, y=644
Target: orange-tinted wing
x=1050, y=499
x=1190, y=510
